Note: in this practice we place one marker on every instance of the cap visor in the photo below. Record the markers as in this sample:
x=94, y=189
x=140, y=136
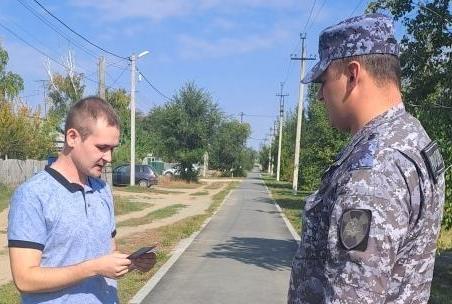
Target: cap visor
x=315, y=72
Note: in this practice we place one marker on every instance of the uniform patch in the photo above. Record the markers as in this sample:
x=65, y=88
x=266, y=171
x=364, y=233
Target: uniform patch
x=434, y=160
x=354, y=228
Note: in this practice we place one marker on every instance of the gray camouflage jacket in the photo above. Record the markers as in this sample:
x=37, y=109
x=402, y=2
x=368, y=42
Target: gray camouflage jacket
x=369, y=233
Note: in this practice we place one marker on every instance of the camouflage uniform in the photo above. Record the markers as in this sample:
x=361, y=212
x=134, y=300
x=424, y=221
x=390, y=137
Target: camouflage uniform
x=370, y=231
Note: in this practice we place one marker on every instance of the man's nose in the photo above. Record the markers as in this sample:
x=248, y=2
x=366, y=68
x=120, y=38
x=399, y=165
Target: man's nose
x=107, y=156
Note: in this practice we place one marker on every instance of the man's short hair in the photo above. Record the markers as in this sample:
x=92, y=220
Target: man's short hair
x=84, y=113
x=383, y=68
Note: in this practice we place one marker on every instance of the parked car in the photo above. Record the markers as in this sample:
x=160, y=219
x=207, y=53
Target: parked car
x=174, y=171
x=144, y=175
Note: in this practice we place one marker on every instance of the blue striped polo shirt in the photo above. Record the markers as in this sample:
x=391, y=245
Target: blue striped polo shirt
x=69, y=224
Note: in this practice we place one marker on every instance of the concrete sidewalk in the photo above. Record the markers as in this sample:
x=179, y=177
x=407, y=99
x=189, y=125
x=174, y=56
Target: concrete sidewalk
x=244, y=255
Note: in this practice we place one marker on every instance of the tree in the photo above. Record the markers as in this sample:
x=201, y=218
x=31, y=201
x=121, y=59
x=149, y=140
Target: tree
x=64, y=91
x=185, y=125
x=228, y=151
x=10, y=83
x=426, y=63
x=320, y=143
x=23, y=134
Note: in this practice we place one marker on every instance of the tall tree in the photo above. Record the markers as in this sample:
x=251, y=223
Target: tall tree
x=10, y=83
x=185, y=126
x=64, y=91
x=426, y=49
x=228, y=151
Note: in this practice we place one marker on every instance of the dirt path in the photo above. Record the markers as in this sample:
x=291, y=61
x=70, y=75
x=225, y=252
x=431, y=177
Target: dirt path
x=161, y=198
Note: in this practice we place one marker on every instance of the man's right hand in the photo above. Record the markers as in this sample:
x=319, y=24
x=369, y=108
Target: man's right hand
x=113, y=266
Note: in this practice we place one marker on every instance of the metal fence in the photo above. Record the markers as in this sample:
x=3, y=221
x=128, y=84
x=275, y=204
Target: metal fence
x=13, y=172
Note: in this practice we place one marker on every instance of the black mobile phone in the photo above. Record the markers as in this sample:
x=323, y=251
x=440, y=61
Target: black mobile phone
x=142, y=251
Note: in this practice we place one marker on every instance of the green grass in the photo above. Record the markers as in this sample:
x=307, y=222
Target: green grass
x=137, y=189
x=5, y=195
x=200, y=193
x=214, y=186
x=152, y=216
x=124, y=206
x=292, y=205
x=178, y=184
x=9, y=294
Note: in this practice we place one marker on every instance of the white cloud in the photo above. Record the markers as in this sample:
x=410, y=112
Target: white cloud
x=192, y=47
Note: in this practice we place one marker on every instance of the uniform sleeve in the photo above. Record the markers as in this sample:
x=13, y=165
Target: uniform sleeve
x=368, y=224
x=26, y=221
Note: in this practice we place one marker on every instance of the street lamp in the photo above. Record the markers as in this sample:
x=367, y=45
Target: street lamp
x=133, y=60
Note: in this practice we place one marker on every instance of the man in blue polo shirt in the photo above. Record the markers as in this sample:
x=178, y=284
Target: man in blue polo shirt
x=61, y=222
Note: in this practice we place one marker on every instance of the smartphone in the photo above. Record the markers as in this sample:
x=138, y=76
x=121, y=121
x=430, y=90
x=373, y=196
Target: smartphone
x=142, y=251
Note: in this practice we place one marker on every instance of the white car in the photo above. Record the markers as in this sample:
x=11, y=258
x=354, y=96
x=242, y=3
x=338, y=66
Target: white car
x=174, y=171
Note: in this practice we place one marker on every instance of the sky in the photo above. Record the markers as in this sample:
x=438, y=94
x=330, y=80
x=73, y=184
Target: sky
x=237, y=50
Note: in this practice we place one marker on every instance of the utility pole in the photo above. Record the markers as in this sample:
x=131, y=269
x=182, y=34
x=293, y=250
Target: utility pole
x=281, y=117
x=300, y=113
x=133, y=60
x=274, y=137
x=101, y=76
x=270, y=151
x=241, y=117
x=44, y=88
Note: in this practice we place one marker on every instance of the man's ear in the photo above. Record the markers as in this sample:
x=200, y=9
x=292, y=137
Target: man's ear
x=353, y=72
x=72, y=137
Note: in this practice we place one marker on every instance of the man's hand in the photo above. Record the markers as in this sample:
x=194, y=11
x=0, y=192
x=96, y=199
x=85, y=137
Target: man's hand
x=144, y=263
x=113, y=266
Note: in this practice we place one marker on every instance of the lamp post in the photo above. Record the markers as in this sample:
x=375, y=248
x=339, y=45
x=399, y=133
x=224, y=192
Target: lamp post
x=133, y=60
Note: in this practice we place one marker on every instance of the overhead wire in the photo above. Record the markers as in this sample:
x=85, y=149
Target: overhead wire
x=310, y=15
x=153, y=87
x=356, y=7
x=45, y=21
x=79, y=35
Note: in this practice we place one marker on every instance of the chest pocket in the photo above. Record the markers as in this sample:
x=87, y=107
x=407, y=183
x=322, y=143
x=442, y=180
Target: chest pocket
x=315, y=227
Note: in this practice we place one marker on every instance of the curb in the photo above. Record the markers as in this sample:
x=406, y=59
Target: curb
x=292, y=230
x=176, y=253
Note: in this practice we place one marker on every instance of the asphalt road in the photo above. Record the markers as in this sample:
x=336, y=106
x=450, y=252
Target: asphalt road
x=242, y=256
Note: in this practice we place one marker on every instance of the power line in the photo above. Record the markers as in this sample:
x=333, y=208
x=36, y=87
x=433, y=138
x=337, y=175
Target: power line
x=44, y=53
x=356, y=7
x=310, y=15
x=79, y=35
x=42, y=19
x=153, y=87
x=317, y=14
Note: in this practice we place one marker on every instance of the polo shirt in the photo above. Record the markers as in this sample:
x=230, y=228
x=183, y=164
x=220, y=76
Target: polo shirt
x=69, y=224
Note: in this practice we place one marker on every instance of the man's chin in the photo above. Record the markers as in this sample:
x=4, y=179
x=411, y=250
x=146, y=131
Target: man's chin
x=96, y=172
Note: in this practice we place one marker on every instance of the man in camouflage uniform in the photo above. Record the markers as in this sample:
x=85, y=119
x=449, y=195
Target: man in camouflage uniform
x=370, y=231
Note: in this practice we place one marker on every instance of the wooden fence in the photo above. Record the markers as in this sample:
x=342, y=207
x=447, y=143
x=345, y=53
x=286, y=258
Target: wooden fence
x=14, y=172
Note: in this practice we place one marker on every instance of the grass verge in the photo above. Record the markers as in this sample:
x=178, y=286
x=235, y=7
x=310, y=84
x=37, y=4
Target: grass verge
x=178, y=184
x=9, y=294
x=124, y=206
x=292, y=205
x=137, y=189
x=214, y=186
x=152, y=216
x=5, y=195
x=200, y=193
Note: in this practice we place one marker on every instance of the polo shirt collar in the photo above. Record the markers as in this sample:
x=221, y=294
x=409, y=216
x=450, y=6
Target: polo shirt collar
x=71, y=187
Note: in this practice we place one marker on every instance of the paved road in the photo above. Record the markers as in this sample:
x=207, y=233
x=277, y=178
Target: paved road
x=242, y=256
